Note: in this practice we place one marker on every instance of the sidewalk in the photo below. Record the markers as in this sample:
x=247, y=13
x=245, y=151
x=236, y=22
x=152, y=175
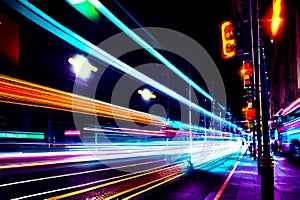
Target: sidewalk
x=235, y=179
x=244, y=182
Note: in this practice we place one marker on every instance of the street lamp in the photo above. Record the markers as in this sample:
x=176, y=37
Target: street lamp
x=147, y=94
x=277, y=19
x=266, y=162
x=82, y=67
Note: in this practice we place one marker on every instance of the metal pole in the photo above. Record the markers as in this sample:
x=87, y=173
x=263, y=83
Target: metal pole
x=267, y=161
x=260, y=69
x=253, y=27
x=266, y=164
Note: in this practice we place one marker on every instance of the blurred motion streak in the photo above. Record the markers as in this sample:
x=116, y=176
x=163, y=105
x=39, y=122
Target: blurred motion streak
x=115, y=188
x=45, y=21
x=21, y=92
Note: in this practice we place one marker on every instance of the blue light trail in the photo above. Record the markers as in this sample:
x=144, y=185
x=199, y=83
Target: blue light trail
x=101, y=8
x=43, y=20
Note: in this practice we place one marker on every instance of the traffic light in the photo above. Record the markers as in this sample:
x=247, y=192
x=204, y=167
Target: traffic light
x=228, y=40
x=250, y=94
x=247, y=125
x=246, y=69
x=242, y=36
x=244, y=111
x=245, y=72
x=250, y=114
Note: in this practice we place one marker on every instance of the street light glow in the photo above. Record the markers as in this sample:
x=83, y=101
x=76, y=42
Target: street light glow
x=81, y=66
x=276, y=18
x=146, y=94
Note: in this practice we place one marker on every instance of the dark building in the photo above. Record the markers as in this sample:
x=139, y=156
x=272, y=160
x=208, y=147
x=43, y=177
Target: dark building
x=281, y=52
x=284, y=68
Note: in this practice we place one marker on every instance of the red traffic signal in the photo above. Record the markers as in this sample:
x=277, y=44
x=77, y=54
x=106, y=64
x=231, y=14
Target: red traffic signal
x=250, y=114
x=228, y=40
x=246, y=72
x=246, y=69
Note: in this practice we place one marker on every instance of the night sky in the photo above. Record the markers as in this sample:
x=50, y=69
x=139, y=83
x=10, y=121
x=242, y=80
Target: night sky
x=200, y=22
x=43, y=58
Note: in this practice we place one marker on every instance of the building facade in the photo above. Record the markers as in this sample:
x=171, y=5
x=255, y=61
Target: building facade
x=284, y=65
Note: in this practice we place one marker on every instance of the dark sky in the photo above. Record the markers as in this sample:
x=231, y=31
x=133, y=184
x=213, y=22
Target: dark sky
x=198, y=20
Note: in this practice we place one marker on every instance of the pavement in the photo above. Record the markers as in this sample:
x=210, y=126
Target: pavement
x=245, y=181
x=241, y=181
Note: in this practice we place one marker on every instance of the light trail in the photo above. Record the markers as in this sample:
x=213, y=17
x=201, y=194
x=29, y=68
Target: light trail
x=166, y=169
x=100, y=7
x=114, y=180
x=160, y=180
x=128, y=131
x=170, y=178
x=21, y=92
x=78, y=173
x=40, y=18
x=202, y=151
x=108, y=14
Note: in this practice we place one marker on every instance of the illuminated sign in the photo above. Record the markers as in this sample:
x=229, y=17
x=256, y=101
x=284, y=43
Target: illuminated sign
x=22, y=135
x=72, y=133
x=228, y=40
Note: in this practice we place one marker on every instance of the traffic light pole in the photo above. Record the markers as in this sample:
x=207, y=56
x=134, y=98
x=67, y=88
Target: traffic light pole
x=266, y=162
x=256, y=79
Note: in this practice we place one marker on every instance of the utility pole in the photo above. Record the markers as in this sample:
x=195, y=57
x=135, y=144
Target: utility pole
x=266, y=162
x=256, y=84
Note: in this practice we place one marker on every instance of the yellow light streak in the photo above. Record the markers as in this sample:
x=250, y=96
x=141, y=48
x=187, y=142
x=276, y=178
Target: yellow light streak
x=183, y=165
x=143, y=185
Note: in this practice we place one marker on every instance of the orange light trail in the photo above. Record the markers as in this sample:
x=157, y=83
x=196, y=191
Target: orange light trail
x=16, y=91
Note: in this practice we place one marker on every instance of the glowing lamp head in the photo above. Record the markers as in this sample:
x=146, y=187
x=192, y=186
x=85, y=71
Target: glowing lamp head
x=277, y=19
x=146, y=94
x=81, y=67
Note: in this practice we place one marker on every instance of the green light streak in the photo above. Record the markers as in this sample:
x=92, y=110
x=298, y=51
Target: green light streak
x=86, y=9
x=22, y=135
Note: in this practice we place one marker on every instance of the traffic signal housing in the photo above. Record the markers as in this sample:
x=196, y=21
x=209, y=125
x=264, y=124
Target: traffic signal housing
x=250, y=114
x=244, y=111
x=246, y=74
x=228, y=40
